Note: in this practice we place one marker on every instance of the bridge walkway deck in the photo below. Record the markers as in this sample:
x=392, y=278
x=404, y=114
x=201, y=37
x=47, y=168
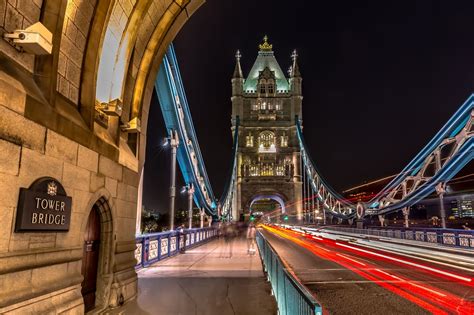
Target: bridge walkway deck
x=215, y=278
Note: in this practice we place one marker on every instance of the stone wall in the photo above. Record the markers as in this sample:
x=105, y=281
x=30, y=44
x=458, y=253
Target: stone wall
x=37, y=265
x=47, y=106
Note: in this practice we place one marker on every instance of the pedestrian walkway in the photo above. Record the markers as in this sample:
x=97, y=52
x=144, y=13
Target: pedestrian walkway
x=215, y=278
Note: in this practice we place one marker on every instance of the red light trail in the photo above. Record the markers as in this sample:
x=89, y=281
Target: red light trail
x=433, y=299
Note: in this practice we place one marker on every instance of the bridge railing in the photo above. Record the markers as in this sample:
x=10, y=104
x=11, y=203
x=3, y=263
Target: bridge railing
x=153, y=247
x=448, y=237
x=291, y=296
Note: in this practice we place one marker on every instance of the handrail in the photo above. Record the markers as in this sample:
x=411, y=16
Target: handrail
x=291, y=296
x=154, y=247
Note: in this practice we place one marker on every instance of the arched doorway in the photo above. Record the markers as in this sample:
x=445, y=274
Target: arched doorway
x=272, y=206
x=90, y=258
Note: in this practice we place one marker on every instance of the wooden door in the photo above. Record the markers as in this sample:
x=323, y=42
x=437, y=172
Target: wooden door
x=90, y=258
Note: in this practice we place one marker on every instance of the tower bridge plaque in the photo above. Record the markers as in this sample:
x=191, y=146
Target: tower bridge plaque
x=42, y=207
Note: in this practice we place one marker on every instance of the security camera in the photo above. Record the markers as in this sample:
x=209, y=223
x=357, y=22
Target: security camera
x=35, y=39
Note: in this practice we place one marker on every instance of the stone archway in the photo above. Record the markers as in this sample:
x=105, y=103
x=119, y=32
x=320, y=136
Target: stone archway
x=103, y=297
x=50, y=125
x=275, y=197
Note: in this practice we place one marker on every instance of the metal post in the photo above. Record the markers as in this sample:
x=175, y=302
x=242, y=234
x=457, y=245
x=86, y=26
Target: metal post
x=382, y=220
x=190, y=189
x=174, y=142
x=202, y=218
x=406, y=214
x=441, y=189
x=303, y=202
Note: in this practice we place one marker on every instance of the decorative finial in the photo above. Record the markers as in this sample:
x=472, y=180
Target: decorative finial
x=294, y=55
x=265, y=46
x=238, y=55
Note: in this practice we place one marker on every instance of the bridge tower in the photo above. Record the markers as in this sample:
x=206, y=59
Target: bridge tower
x=267, y=103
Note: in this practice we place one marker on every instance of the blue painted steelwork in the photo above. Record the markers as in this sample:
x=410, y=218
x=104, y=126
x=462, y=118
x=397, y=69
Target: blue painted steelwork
x=415, y=182
x=177, y=116
x=450, y=129
x=154, y=247
x=227, y=198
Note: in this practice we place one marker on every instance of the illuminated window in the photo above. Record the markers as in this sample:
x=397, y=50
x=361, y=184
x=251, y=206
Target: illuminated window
x=249, y=140
x=284, y=140
x=278, y=106
x=266, y=142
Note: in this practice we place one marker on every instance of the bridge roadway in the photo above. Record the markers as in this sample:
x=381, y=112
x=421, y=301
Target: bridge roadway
x=348, y=281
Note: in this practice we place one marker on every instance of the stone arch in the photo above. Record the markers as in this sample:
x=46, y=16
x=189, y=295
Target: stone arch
x=101, y=199
x=262, y=194
x=275, y=197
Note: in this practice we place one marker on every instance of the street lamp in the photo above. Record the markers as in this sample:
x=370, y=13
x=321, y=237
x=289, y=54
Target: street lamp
x=190, y=190
x=173, y=141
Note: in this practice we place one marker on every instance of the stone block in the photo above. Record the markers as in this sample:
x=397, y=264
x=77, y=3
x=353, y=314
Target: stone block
x=130, y=177
x=76, y=177
x=61, y=147
x=3, y=9
x=63, y=86
x=73, y=72
x=14, y=284
x=29, y=10
x=49, y=275
x=110, y=168
x=62, y=64
x=13, y=19
x=71, y=30
x=9, y=157
x=9, y=190
x=6, y=222
x=34, y=165
x=17, y=129
x=81, y=201
x=71, y=9
x=88, y=159
x=125, y=209
x=74, y=94
x=12, y=93
x=47, y=240
x=97, y=181
x=111, y=186
x=122, y=191
x=131, y=194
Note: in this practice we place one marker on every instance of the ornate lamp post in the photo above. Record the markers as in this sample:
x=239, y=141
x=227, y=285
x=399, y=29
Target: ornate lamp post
x=173, y=140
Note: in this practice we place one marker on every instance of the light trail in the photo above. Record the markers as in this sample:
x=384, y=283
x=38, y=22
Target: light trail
x=445, y=273
x=432, y=299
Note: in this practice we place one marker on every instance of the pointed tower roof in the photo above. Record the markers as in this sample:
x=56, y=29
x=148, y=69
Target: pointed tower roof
x=238, y=70
x=295, y=70
x=266, y=58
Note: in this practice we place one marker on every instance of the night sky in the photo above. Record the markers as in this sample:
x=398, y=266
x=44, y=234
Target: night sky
x=380, y=78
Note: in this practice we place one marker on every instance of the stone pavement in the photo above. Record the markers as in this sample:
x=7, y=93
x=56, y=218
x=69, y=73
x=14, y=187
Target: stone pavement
x=215, y=278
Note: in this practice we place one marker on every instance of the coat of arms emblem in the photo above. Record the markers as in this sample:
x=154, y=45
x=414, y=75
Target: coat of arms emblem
x=52, y=189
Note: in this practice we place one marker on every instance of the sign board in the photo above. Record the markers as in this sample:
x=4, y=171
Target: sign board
x=43, y=207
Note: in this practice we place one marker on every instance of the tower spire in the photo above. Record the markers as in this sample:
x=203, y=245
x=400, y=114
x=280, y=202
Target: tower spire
x=265, y=46
x=238, y=70
x=295, y=70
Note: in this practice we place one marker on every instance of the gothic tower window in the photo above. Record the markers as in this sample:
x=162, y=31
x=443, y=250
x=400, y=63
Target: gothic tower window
x=284, y=140
x=266, y=142
x=249, y=140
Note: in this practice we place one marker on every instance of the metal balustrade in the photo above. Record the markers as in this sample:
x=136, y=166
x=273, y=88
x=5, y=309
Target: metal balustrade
x=291, y=296
x=448, y=237
x=154, y=247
